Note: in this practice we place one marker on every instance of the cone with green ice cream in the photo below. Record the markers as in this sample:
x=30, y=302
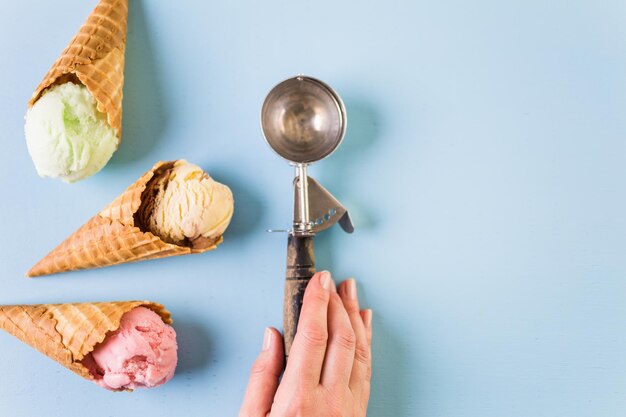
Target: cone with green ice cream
x=74, y=117
x=173, y=209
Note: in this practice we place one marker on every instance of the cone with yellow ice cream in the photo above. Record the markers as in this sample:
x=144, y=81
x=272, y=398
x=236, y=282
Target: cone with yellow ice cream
x=173, y=209
x=74, y=117
x=69, y=333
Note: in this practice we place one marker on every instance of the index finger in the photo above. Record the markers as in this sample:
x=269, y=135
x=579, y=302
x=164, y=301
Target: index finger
x=309, y=346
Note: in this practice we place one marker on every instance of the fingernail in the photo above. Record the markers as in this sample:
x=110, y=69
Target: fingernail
x=325, y=279
x=367, y=320
x=267, y=339
x=351, y=289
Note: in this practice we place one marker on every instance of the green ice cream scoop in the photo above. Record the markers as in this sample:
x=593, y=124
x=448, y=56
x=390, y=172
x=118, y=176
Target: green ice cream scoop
x=67, y=136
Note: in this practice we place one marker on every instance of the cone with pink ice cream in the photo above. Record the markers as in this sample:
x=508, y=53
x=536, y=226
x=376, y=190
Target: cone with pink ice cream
x=173, y=209
x=119, y=345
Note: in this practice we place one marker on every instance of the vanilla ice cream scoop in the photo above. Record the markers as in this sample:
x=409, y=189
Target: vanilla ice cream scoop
x=67, y=136
x=186, y=206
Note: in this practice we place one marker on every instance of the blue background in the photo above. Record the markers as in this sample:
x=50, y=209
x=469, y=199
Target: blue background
x=484, y=165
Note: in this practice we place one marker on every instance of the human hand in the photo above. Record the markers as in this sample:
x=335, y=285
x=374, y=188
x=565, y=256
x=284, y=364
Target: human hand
x=329, y=369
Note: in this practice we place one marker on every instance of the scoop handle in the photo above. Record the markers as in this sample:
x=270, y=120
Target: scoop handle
x=300, y=269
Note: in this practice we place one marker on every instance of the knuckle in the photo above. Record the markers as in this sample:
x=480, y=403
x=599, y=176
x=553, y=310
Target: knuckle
x=314, y=336
x=346, y=339
x=362, y=354
x=258, y=368
x=351, y=307
x=368, y=374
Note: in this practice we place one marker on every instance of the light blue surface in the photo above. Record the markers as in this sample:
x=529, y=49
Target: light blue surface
x=484, y=163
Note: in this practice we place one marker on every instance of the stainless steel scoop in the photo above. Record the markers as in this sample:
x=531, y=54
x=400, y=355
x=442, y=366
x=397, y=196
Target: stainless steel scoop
x=303, y=121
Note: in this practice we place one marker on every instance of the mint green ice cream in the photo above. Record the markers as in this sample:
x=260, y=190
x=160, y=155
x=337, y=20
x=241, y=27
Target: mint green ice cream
x=66, y=135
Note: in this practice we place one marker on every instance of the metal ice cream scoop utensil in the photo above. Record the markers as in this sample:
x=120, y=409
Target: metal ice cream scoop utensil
x=304, y=121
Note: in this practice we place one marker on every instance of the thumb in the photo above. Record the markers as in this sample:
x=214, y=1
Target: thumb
x=264, y=375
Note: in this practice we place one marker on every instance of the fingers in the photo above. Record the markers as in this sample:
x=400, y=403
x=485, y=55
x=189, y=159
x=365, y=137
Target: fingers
x=341, y=345
x=264, y=376
x=366, y=315
x=362, y=356
x=309, y=346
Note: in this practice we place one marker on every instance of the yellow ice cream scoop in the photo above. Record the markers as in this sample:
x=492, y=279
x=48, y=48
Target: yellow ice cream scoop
x=173, y=209
x=187, y=205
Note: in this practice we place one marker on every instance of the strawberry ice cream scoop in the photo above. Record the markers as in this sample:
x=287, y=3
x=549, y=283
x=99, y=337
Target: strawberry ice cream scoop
x=142, y=353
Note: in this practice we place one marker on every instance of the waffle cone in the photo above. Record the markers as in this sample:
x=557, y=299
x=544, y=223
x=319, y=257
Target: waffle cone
x=111, y=237
x=95, y=58
x=68, y=332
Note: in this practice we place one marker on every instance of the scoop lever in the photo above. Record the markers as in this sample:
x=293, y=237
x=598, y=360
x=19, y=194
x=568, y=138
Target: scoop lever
x=324, y=209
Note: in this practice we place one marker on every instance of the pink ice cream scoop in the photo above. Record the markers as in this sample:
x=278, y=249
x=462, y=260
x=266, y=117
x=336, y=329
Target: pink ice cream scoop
x=142, y=353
